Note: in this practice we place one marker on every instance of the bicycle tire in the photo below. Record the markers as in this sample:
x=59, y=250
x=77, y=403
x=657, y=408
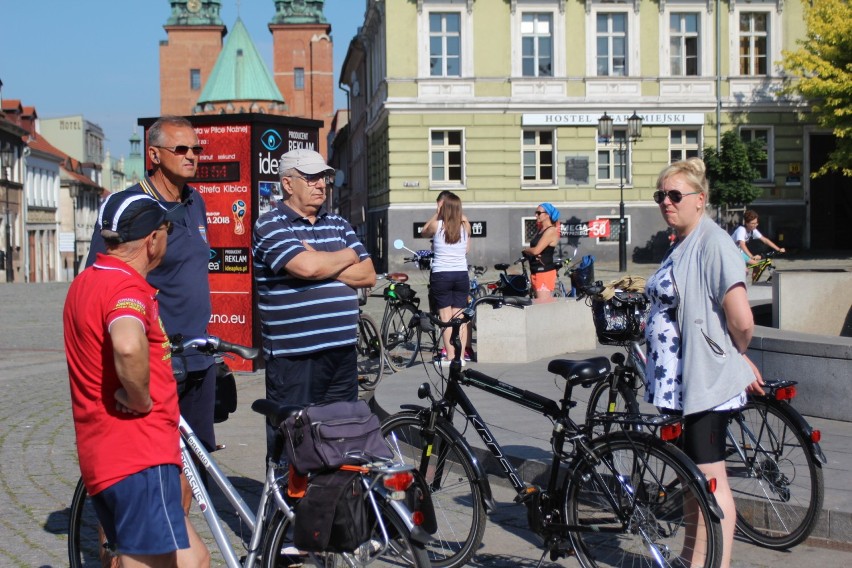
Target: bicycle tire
x=459, y=505
x=779, y=490
x=371, y=356
x=402, y=550
x=84, y=536
x=599, y=404
x=649, y=475
x=400, y=338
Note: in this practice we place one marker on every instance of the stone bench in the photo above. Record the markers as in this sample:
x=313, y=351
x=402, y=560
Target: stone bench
x=521, y=335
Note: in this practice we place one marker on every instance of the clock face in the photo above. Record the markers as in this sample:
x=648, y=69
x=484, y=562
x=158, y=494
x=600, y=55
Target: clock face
x=193, y=5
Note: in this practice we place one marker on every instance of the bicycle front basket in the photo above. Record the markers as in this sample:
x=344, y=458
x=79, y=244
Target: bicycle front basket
x=621, y=319
x=584, y=274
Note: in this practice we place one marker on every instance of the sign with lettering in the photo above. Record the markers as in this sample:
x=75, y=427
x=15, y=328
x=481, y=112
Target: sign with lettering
x=661, y=118
x=478, y=230
x=577, y=170
x=598, y=229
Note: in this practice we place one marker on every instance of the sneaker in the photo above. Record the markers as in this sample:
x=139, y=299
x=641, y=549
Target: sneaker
x=468, y=355
x=444, y=355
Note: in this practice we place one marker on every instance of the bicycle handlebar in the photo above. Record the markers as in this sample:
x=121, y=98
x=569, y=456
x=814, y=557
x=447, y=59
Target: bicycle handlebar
x=211, y=345
x=467, y=314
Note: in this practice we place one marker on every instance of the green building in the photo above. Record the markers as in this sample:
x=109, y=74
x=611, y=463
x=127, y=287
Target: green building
x=499, y=101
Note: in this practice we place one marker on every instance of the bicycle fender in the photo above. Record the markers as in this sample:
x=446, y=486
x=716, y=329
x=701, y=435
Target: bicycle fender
x=802, y=424
x=479, y=470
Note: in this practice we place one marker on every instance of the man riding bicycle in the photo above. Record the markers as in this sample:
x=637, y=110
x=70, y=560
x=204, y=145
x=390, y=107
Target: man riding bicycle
x=748, y=232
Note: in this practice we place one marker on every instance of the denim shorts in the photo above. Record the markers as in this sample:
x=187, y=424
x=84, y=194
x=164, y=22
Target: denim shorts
x=449, y=289
x=142, y=513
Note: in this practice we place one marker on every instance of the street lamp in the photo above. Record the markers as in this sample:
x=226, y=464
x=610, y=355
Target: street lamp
x=74, y=191
x=634, y=132
x=7, y=155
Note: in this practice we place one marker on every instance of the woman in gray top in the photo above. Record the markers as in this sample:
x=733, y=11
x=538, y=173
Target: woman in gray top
x=698, y=331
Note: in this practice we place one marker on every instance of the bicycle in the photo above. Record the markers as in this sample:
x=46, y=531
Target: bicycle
x=764, y=265
x=774, y=460
x=394, y=537
x=517, y=285
x=627, y=498
x=369, y=347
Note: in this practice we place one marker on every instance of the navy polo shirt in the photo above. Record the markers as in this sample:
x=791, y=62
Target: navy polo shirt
x=181, y=277
x=302, y=316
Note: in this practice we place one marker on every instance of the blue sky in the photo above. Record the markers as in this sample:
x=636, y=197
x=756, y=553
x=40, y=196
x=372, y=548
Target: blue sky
x=100, y=58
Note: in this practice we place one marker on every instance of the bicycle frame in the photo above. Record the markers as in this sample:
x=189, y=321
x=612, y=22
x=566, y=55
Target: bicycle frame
x=191, y=445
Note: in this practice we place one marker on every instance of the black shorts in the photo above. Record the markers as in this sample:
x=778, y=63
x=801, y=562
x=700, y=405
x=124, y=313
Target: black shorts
x=449, y=289
x=704, y=436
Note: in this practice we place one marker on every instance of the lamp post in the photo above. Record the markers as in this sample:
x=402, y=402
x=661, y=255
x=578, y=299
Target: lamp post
x=634, y=132
x=74, y=191
x=7, y=154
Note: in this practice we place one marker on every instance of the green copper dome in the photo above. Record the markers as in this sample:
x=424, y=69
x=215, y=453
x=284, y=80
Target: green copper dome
x=240, y=73
x=299, y=12
x=195, y=13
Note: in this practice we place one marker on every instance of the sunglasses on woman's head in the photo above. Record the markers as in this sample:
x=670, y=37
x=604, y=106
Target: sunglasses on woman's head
x=673, y=194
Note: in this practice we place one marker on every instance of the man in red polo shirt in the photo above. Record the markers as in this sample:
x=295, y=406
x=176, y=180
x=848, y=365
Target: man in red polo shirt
x=123, y=393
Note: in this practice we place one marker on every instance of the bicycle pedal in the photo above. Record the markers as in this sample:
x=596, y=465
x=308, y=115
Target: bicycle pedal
x=531, y=492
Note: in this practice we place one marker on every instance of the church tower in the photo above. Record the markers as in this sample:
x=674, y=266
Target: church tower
x=302, y=61
x=187, y=57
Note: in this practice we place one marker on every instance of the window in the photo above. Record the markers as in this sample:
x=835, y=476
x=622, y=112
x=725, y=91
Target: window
x=537, y=45
x=615, y=229
x=611, y=38
x=299, y=78
x=683, y=144
x=538, y=158
x=445, y=44
x=683, y=44
x=613, y=158
x=754, y=37
x=763, y=135
x=195, y=79
x=445, y=152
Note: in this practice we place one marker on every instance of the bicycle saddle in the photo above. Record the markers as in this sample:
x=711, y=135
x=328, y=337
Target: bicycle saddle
x=397, y=276
x=501, y=266
x=274, y=412
x=584, y=372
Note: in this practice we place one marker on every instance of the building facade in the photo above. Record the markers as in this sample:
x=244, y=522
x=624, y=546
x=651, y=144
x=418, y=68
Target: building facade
x=500, y=102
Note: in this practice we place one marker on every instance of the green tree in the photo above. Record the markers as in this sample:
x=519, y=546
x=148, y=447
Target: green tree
x=730, y=170
x=821, y=73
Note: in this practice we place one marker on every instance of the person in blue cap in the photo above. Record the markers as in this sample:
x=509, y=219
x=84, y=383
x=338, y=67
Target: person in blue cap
x=540, y=252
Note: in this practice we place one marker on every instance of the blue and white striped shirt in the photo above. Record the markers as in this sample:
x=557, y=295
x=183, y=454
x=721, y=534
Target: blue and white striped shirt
x=302, y=316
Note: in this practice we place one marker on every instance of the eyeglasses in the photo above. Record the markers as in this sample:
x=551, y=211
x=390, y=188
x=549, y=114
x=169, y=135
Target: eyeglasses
x=182, y=150
x=314, y=179
x=168, y=226
x=537, y=213
x=673, y=194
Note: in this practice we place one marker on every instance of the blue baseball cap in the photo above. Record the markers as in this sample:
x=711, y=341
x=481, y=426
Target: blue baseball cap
x=551, y=211
x=132, y=215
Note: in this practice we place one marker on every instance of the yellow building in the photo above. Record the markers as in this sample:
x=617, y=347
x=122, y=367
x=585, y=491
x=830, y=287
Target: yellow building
x=499, y=101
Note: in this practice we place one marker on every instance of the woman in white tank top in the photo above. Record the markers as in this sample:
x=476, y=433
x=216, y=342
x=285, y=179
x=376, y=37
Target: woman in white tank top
x=449, y=284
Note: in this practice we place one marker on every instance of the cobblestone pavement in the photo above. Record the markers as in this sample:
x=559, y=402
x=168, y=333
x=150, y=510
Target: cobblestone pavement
x=38, y=468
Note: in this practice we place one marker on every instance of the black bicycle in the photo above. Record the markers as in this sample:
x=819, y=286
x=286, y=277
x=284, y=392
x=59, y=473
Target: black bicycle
x=625, y=499
x=774, y=460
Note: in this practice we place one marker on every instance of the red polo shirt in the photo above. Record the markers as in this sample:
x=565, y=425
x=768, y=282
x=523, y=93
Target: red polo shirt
x=110, y=444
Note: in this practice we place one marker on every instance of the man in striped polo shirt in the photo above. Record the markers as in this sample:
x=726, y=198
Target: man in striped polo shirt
x=307, y=266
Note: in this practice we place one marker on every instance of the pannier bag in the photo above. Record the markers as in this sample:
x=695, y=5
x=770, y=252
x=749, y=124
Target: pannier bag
x=514, y=285
x=332, y=516
x=400, y=291
x=325, y=436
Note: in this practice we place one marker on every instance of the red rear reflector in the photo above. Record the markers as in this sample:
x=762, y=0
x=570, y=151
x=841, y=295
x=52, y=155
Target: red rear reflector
x=398, y=481
x=816, y=436
x=670, y=432
x=711, y=485
x=417, y=517
x=785, y=393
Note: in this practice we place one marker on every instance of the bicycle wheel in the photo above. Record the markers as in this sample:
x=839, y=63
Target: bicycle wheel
x=401, y=550
x=400, y=338
x=635, y=508
x=599, y=403
x=456, y=495
x=778, y=489
x=371, y=359
x=85, y=538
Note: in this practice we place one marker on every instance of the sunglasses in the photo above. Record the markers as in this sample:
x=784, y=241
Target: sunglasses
x=674, y=195
x=182, y=150
x=313, y=179
x=537, y=213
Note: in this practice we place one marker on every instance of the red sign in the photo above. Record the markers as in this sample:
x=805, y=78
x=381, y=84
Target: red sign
x=224, y=179
x=598, y=228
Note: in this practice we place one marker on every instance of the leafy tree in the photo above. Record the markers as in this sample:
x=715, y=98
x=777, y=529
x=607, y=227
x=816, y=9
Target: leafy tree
x=730, y=170
x=822, y=71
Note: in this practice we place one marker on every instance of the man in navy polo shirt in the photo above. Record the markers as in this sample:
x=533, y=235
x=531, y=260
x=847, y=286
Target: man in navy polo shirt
x=307, y=265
